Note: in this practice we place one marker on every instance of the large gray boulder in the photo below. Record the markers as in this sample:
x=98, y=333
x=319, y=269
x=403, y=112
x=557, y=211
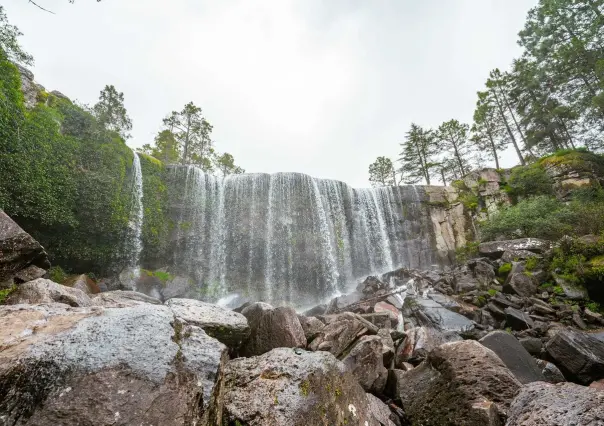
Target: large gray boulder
x=514, y=356
x=47, y=291
x=340, y=332
x=312, y=326
x=579, y=355
x=365, y=361
x=97, y=366
x=521, y=284
x=123, y=299
x=293, y=387
x=18, y=251
x=380, y=411
x=460, y=383
x=223, y=324
x=430, y=313
x=544, y=404
x=272, y=328
x=495, y=249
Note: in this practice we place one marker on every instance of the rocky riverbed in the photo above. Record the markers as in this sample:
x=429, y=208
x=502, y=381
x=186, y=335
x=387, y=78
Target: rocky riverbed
x=467, y=346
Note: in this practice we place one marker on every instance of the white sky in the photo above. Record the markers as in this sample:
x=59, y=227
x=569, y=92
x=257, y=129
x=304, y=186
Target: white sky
x=315, y=86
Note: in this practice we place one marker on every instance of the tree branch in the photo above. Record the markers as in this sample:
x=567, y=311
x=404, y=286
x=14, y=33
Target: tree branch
x=38, y=6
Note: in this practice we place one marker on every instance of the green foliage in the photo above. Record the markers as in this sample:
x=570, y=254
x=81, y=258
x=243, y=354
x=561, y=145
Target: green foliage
x=594, y=307
x=467, y=252
x=9, y=43
x=417, y=155
x=382, y=173
x=546, y=285
x=492, y=292
x=6, y=292
x=156, y=224
x=57, y=274
x=558, y=290
x=538, y=217
x=163, y=276
x=226, y=164
x=528, y=181
x=111, y=112
x=504, y=269
x=531, y=263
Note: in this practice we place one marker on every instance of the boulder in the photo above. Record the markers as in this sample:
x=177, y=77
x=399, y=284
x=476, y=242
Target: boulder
x=224, y=325
x=387, y=346
x=312, y=326
x=18, y=250
x=571, y=291
x=579, y=355
x=420, y=342
x=272, y=328
x=532, y=345
x=97, y=366
x=432, y=314
x=593, y=317
x=551, y=373
x=293, y=387
x=123, y=299
x=514, y=356
x=365, y=361
x=495, y=249
x=47, y=291
x=380, y=411
x=83, y=282
x=340, y=332
x=387, y=308
x=461, y=383
x=30, y=273
x=520, y=284
x=561, y=404
x=517, y=320
x=510, y=256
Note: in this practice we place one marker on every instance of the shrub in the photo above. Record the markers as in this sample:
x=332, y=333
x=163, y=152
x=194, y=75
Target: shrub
x=5, y=293
x=528, y=181
x=539, y=217
x=57, y=274
x=492, y=292
x=467, y=252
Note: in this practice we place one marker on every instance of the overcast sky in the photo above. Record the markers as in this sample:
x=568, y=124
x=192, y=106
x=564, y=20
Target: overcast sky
x=315, y=86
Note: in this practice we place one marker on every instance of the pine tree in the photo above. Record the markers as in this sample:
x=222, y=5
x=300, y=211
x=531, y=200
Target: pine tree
x=416, y=157
x=488, y=131
x=382, y=172
x=111, y=112
x=226, y=164
x=453, y=139
x=193, y=133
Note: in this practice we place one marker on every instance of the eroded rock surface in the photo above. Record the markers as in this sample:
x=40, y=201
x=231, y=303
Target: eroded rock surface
x=293, y=387
x=47, y=291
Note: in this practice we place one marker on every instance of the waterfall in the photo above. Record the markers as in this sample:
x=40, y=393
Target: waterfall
x=136, y=216
x=288, y=237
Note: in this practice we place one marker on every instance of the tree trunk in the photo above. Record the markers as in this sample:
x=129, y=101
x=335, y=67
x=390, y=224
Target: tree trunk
x=494, y=150
x=457, y=156
x=509, y=130
x=422, y=163
x=442, y=174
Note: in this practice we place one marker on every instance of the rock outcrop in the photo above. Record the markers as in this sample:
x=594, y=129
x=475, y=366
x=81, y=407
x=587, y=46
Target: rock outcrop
x=18, y=252
x=135, y=365
x=47, y=291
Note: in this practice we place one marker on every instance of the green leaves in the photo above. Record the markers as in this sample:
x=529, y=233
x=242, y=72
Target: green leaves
x=382, y=173
x=111, y=112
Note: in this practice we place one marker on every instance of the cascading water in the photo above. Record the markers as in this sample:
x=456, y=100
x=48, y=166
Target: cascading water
x=290, y=238
x=136, y=217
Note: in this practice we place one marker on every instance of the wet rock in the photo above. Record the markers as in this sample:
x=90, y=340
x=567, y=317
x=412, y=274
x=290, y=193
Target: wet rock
x=365, y=361
x=340, y=303
x=123, y=299
x=387, y=347
x=520, y=284
x=571, y=291
x=312, y=326
x=224, y=325
x=561, y=404
x=293, y=387
x=514, y=356
x=272, y=328
x=495, y=249
x=380, y=411
x=593, y=317
x=340, y=332
x=385, y=307
x=47, y=291
x=460, y=383
x=578, y=321
x=551, y=373
x=90, y=366
x=437, y=316
x=18, y=250
x=485, y=318
x=517, y=319
x=380, y=319
x=317, y=310
x=579, y=355
x=83, y=282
